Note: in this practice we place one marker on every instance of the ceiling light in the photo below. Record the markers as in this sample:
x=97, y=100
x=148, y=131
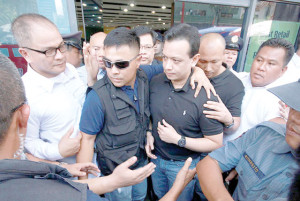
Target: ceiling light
x=95, y=7
x=153, y=11
x=84, y=4
x=98, y=21
x=125, y=10
x=99, y=17
x=147, y=22
x=111, y=21
x=131, y=5
x=101, y=10
x=164, y=23
x=159, y=19
x=163, y=7
x=93, y=15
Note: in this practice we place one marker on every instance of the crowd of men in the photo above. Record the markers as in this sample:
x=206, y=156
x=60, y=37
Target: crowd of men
x=125, y=115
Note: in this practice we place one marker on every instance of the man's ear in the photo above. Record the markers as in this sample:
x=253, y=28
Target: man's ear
x=23, y=118
x=25, y=54
x=195, y=59
x=284, y=69
x=138, y=61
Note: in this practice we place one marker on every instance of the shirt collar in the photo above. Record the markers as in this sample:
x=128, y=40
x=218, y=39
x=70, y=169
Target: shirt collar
x=220, y=77
x=186, y=86
x=48, y=83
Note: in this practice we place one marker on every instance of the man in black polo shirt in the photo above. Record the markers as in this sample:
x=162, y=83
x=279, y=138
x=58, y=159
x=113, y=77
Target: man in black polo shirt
x=180, y=129
x=228, y=87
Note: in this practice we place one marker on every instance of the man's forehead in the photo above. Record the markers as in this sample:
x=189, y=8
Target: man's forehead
x=273, y=53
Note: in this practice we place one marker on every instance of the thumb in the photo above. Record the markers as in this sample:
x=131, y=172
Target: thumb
x=79, y=136
x=129, y=162
x=187, y=163
x=165, y=123
x=69, y=132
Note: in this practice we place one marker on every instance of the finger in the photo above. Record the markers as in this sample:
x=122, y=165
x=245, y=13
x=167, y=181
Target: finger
x=129, y=162
x=219, y=99
x=197, y=90
x=213, y=117
x=210, y=106
x=79, y=136
x=206, y=112
x=151, y=146
x=231, y=175
x=69, y=132
x=212, y=89
x=192, y=83
x=187, y=163
x=207, y=92
x=165, y=123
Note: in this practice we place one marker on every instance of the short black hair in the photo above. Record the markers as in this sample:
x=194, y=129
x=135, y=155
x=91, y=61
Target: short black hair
x=186, y=32
x=122, y=36
x=280, y=43
x=142, y=30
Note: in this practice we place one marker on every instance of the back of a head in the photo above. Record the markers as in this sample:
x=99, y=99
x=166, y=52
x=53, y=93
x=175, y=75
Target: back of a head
x=142, y=30
x=213, y=40
x=12, y=93
x=280, y=43
x=184, y=32
x=122, y=36
x=22, y=27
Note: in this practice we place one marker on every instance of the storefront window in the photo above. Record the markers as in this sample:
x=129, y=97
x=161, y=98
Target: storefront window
x=272, y=20
x=207, y=18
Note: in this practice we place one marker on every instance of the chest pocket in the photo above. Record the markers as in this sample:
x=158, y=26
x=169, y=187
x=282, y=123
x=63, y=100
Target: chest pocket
x=250, y=173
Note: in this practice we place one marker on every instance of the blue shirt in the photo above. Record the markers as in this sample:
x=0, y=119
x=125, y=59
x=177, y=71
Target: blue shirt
x=92, y=117
x=263, y=160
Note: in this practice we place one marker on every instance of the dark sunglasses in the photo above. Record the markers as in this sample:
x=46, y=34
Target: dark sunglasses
x=118, y=64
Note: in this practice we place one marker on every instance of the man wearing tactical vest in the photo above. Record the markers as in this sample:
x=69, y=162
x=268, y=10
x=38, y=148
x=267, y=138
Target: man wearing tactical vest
x=115, y=115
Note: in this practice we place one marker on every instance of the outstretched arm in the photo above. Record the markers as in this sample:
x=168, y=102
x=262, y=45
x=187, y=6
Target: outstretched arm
x=211, y=181
x=184, y=176
x=122, y=176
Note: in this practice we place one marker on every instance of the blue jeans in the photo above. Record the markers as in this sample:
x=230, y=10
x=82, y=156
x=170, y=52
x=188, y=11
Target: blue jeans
x=130, y=193
x=165, y=175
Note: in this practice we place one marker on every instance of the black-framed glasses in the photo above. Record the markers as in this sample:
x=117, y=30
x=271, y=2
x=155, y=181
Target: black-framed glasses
x=17, y=107
x=118, y=64
x=51, y=52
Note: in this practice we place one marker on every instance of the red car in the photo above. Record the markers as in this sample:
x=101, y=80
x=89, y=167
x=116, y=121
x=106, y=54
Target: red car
x=11, y=51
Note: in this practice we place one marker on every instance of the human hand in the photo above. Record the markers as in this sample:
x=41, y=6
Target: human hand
x=91, y=64
x=200, y=77
x=284, y=110
x=233, y=173
x=124, y=176
x=219, y=111
x=184, y=176
x=149, y=147
x=81, y=169
x=167, y=133
x=69, y=146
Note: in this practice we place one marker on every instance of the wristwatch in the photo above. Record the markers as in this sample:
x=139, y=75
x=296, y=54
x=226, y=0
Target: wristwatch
x=182, y=142
x=230, y=125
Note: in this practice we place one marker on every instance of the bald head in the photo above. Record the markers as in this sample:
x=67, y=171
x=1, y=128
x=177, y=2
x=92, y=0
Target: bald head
x=212, y=40
x=24, y=27
x=97, y=39
x=97, y=45
x=212, y=48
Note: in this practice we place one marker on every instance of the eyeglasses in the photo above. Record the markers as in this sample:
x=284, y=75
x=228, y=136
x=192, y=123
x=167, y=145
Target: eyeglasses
x=146, y=47
x=51, y=52
x=118, y=64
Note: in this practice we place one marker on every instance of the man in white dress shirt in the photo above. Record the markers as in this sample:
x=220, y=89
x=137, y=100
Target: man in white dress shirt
x=267, y=68
x=54, y=91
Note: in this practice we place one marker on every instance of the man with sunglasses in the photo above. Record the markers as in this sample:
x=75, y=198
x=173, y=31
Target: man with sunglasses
x=74, y=48
x=54, y=91
x=115, y=115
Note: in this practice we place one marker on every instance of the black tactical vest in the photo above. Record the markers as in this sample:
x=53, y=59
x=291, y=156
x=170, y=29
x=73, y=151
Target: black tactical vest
x=29, y=181
x=124, y=131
